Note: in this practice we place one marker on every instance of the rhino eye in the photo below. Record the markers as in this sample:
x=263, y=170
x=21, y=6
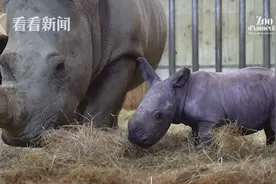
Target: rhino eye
x=158, y=115
x=60, y=71
x=60, y=66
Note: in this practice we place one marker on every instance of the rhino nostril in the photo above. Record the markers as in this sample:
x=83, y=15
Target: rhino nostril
x=144, y=139
x=133, y=127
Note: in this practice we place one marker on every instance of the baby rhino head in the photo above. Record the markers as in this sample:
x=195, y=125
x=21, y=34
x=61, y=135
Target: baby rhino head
x=158, y=107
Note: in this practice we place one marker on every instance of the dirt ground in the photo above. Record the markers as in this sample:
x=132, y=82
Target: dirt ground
x=85, y=155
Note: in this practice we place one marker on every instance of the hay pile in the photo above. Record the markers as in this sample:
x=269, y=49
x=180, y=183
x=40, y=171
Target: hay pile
x=84, y=156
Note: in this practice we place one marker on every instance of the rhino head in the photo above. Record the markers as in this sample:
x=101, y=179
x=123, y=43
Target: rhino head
x=45, y=74
x=159, y=106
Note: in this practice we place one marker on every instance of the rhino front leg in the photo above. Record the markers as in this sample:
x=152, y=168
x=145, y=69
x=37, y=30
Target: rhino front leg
x=107, y=99
x=205, y=134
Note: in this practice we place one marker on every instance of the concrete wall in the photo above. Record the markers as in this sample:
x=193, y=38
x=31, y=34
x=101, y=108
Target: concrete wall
x=2, y=19
x=1, y=7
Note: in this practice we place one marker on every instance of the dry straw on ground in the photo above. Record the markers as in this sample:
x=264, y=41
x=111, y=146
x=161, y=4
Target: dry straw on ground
x=84, y=155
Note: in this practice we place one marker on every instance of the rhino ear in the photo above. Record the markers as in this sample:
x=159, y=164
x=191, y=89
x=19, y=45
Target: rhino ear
x=179, y=78
x=147, y=71
x=3, y=42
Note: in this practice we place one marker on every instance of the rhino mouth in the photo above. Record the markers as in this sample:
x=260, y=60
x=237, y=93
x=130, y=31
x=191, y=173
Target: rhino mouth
x=146, y=141
x=30, y=139
x=145, y=145
x=141, y=144
x=19, y=142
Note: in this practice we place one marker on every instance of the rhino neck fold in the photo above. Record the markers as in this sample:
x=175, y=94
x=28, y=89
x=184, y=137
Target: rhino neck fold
x=181, y=97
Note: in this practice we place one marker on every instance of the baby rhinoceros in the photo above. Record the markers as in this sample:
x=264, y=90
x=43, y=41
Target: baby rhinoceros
x=202, y=100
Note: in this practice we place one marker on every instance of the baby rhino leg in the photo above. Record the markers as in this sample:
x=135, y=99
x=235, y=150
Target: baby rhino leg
x=269, y=129
x=269, y=133
x=205, y=133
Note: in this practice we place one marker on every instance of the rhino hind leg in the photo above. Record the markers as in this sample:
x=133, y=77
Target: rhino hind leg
x=270, y=135
x=107, y=99
x=269, y=129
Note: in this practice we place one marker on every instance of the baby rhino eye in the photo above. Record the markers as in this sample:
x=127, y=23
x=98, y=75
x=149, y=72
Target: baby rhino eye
x=158, y=115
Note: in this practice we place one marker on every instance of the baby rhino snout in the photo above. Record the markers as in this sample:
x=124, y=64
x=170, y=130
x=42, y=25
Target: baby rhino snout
x=136, y=134
x=132, y=130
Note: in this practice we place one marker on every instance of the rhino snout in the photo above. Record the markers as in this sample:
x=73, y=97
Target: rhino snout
x=137, y=135
x=139, y=140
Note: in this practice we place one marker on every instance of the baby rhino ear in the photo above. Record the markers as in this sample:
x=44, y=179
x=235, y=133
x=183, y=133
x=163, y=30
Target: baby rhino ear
x=179, y=78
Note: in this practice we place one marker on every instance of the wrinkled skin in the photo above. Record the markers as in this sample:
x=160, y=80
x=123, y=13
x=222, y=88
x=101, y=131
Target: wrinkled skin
x=203, y=101
x=48, y=76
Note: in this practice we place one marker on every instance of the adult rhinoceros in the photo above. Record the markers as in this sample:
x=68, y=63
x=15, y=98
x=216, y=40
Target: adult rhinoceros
x=47, y=75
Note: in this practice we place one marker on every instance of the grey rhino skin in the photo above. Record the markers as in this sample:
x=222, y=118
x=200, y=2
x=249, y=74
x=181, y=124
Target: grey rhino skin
x=203, y=100
x=49, y=78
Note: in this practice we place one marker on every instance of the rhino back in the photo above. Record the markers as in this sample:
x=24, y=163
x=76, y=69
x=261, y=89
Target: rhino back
x=244, y=95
